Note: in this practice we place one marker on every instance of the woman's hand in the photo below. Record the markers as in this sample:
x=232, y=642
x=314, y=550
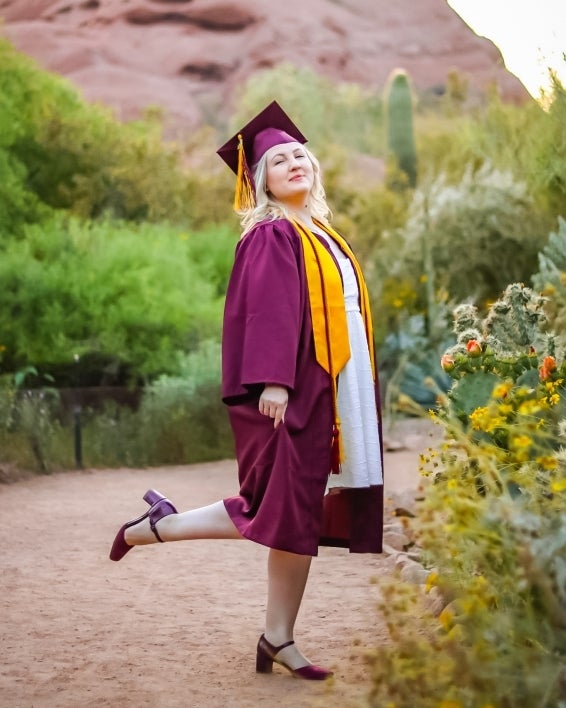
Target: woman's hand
x=273, y=402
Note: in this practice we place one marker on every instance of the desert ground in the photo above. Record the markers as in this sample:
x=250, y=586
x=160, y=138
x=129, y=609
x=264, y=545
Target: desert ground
x=171, y=625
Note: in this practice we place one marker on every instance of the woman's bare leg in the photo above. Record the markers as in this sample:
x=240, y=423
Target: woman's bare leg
x=287, y=577
x=210, y=521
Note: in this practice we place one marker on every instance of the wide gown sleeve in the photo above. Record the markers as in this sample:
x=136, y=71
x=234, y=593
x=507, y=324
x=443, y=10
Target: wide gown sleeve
x=262, y=316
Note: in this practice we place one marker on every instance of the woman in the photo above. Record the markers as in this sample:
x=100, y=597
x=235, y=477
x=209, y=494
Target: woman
x=298, y=376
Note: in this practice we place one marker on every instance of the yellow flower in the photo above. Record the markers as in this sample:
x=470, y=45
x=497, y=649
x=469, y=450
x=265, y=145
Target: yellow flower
x=446, y=618
x=431, y=581
x=451, y=484
x=547, y=462
x=554, y=400
x=530, y=407
x=479, y=418
x=520, y=441
x=559, y=485
x=502, y=389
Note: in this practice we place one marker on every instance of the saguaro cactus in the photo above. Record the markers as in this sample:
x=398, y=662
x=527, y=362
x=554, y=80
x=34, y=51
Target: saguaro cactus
x=400, y=133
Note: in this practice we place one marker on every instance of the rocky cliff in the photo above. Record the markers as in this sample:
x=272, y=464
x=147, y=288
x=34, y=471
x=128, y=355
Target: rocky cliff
x=186, y=56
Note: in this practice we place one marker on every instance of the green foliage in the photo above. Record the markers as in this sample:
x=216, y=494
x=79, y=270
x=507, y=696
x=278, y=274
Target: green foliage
x=551, y=279
x=58, y=152
x=480, y=234
x=135, y=294
x=327, y=112
x=492, y=526
x=400, y=133
x=181, y=419
x=409, y=365
x=525, y=140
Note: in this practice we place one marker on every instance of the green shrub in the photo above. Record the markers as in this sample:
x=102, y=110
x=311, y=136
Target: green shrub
x=59, y=152
x=180, y=420
x=480, y=234
x=327, y=112
x=134, y=295
x=492, y=527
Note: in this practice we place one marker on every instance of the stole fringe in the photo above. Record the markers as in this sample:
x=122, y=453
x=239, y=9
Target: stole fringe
x=244, y=197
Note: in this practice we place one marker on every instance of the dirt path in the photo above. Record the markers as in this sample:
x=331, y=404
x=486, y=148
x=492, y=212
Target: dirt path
x=169, y=626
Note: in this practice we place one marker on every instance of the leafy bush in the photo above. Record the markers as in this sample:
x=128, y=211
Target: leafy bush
x=328, y=113
x=180, y=420
x=135, y=295
x=58, y=152
x=480, y=234
x=492, y=527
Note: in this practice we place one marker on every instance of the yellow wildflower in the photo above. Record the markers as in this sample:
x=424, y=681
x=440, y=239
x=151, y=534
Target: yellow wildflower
x=502, y=389
x=520, y=441
x=547, y=462
x=559, y=485
x=479, y=418
x=554, y=400
x=431, y=581
x=451, y=484
x=530, y=407
x=446, y=618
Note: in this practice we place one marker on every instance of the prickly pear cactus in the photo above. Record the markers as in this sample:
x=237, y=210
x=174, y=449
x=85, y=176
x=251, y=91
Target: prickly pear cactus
x=508, y=345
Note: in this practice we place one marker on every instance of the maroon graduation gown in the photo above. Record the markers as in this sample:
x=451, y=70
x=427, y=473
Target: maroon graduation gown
x=267, y=337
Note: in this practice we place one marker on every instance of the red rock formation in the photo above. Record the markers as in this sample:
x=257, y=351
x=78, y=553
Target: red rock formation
x=186, y=56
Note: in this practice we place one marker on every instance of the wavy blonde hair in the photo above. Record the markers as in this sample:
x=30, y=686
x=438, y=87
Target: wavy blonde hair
x=269, y=208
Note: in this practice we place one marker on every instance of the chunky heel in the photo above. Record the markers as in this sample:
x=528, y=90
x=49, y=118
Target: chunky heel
x=267, y=654
x=263, y=662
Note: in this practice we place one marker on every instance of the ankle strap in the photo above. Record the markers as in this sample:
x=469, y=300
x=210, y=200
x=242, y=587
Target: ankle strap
x=273, y=651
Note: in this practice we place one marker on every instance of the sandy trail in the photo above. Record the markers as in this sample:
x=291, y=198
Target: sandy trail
x=169, y=626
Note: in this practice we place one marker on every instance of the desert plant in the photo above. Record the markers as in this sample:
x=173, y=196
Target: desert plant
x=400, y=132
x=327, y=112
x=550, y=279
x=481, y=234
x=134, y=295
x=492, y=528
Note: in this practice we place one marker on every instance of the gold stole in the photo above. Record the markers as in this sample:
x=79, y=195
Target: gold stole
x=328, y=313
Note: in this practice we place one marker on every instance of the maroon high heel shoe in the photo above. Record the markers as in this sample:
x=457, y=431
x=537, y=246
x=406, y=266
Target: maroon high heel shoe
x=160, y=506
x=267, y=653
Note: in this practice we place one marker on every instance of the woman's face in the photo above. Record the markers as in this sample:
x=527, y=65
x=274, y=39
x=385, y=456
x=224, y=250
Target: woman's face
x=289, y=174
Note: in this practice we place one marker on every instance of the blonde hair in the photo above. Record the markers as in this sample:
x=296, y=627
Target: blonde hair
x=269, y=208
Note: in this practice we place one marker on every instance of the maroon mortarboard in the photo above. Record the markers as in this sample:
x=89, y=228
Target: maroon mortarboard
x=269, y=128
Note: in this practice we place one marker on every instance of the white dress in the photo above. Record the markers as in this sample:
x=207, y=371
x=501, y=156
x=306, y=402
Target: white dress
x=361, y=466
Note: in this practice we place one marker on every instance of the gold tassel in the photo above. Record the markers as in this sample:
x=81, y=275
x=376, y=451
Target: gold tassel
x=244, y=198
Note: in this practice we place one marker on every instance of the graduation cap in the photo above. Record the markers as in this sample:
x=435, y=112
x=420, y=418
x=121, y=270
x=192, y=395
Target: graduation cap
x=269, y=128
